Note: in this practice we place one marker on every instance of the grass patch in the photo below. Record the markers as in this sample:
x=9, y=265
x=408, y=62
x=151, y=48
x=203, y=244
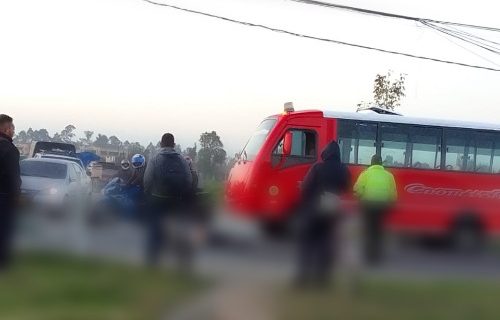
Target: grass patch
x=57, y=287
x=214, y=190
x=395, y=300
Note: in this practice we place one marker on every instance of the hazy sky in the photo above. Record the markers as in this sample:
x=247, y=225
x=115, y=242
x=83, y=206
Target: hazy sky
x=128, y=68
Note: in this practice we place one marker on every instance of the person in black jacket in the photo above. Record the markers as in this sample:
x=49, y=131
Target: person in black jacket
x=322, y=186
x=10, y=184
x=167, y=185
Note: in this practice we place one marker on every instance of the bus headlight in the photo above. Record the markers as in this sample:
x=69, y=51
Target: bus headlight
x=274, y=191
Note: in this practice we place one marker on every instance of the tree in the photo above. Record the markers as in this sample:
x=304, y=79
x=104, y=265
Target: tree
x=135, y=148
x=30, y=134
x=387, y=91
x=212, y=155
x=150, y=151
x=67, y=134
x=114, y=141
x=233, y=161
x=57, y=137
x=210, y=140
x=41, y=135
x=192, y=152
x=21, y=137
x=88, y=136
x=178, y=148
x=101, y=140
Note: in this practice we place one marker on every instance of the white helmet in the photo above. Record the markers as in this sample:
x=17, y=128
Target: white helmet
x=125, y=164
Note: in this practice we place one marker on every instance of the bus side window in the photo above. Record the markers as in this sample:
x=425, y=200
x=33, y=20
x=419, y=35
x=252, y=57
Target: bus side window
x=394, y=145
x=278, y=151
x=367, y=142
x=483, y=154
x=304, y=149
x=346, y=137
x=496, y=158
x=426, y=151
x=456, y=155
x=303, y=144
x=357, y=141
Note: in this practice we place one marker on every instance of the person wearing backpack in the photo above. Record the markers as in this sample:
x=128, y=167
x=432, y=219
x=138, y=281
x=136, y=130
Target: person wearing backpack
x=167, y=185
x=323, y=185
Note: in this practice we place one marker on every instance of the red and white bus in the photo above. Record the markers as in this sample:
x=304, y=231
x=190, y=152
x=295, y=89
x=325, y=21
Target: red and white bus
x=447, y=172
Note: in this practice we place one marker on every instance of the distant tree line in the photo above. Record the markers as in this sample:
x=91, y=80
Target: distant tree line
x=208, y=154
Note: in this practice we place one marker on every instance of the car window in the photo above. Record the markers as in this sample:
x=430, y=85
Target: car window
x=72, y=173
x=78, y=171
x=43, y=169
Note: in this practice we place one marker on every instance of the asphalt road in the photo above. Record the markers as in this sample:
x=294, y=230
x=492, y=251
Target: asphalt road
x=237, y=249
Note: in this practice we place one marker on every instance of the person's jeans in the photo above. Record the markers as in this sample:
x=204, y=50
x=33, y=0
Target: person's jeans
x=373, y=223
x=160, y=211
x=316, y=250
x=6, y=230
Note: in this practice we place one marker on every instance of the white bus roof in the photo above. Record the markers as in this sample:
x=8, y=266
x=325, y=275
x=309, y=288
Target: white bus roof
x=372, y=116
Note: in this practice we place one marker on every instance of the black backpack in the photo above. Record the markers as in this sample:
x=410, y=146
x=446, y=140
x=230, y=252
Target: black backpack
x=171, y=177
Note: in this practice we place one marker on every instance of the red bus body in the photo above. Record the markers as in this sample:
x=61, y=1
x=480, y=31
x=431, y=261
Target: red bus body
x=430, y=200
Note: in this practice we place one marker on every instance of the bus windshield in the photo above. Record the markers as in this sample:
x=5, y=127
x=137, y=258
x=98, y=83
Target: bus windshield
x=257, y=139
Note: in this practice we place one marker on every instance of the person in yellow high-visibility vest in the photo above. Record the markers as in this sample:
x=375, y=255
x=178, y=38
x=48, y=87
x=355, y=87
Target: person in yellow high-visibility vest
x=377, y=192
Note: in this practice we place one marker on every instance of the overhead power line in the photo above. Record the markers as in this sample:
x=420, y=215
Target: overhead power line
x=444, y=27
x=250, y=24
x=465, y=48
x=392, y=15
x=468, y=39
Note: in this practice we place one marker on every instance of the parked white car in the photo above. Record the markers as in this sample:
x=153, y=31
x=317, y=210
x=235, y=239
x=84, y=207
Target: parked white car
x=86, y=178
x=53, y=182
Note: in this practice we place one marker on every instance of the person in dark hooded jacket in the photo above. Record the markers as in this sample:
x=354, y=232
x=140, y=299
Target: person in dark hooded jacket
x=10, y=184
x=327, y=179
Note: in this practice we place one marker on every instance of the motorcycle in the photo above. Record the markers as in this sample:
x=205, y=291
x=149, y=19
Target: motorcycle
x=118, y=202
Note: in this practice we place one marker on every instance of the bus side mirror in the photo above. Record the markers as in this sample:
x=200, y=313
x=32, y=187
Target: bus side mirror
x=287, y=144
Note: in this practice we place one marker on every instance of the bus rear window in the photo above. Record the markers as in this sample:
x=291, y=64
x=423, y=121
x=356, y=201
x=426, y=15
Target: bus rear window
x=257, y=139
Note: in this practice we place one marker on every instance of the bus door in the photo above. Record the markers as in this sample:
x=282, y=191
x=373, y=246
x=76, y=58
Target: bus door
x=297, y=149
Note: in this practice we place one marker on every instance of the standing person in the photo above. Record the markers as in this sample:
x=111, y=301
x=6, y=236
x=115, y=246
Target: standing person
x=321, y=189
x=167, y=184
x=376, y=189
x=10, y=184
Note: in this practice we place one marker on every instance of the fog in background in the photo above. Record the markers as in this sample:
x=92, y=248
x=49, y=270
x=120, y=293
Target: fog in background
x=131, y=69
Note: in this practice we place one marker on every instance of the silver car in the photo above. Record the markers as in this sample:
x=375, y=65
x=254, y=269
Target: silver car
x=53, y=182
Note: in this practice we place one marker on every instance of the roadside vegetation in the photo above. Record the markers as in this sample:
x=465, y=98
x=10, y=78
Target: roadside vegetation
x=58, y=287
x=397, y=299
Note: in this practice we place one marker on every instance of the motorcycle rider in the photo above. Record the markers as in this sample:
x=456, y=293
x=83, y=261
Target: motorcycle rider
x=138, y=168
x=125, y=173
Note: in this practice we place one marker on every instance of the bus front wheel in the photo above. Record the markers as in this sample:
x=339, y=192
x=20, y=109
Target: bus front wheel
x=275, y=229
